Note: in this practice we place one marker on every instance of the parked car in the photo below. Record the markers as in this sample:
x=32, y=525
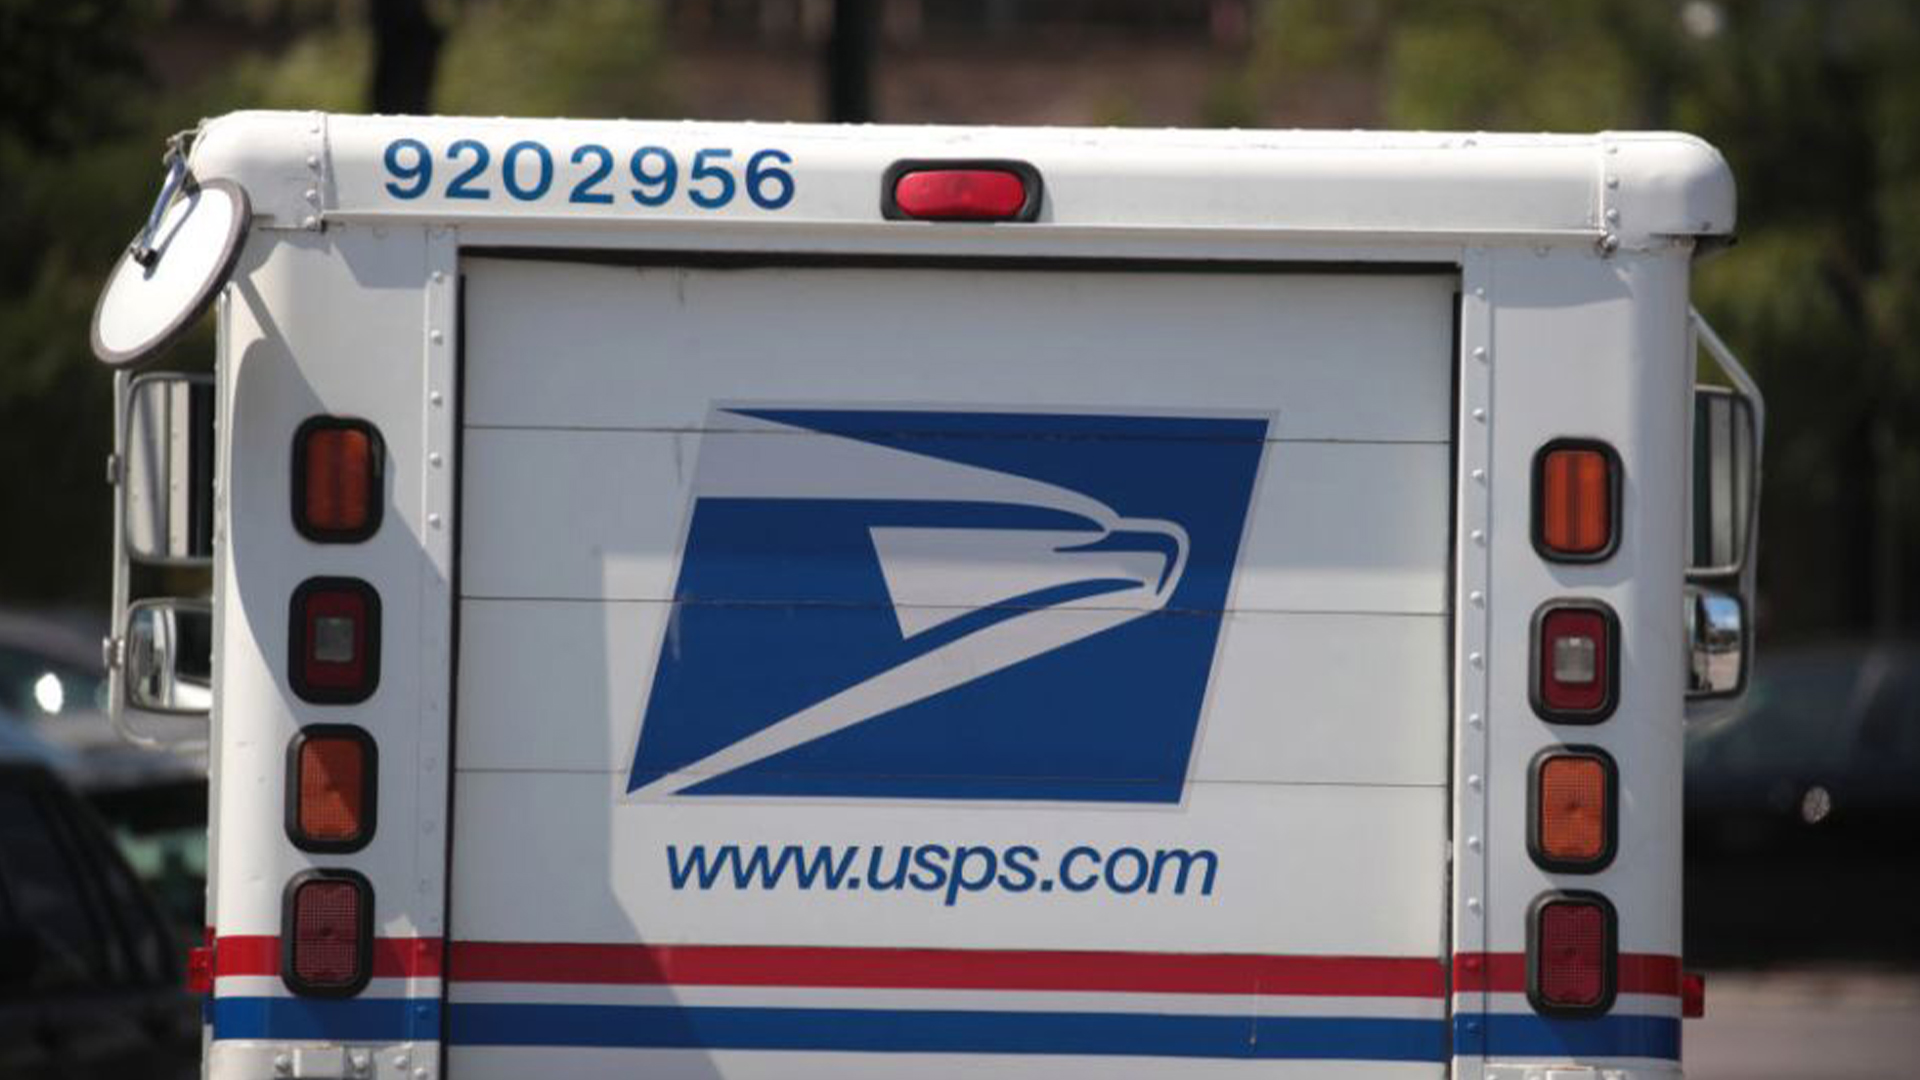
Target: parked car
x=90, y=978
x=1801, y=808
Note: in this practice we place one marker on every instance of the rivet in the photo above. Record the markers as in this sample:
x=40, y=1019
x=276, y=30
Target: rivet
x=1473, y=904
x=435, y=397
x=312, y=195
x=439, y=275
x=1473, y=1026
x=313, y=161
x=1479, y=537
x=434, y=459
x=433, y=520
x=1613, y=181
x=1479, y=476
x=436, y=336
x=1476, y=660
x=426, y=826
x=1480, y=415
x=309, y=222
x=1480, y=353
x=282, y=1063
x=1473, y=844
x=1612, y=149
x=1613, y=214
x=401, y=1061
x=1609, y=243
x=1479, y=290
x=1477, y=598
x=421, y=1073
x=1473, y=781
x=1474, y=721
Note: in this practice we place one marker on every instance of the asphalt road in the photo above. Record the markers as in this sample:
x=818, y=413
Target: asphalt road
x=1806, y=1025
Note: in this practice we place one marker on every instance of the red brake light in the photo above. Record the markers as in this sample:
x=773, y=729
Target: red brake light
x=1576, y=489
x=1573, y=954
x=328, y=937
x=961, y=191
x=337, y=466
x=334, y=641
x=330, y=788
x=1575, y=661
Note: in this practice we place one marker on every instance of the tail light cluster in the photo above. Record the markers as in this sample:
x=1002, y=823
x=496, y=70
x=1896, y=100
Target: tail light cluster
x=333, y=658
x=1574, y=678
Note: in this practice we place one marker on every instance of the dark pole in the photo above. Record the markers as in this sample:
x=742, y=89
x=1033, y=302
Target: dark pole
x=850, y=63
x=406, y=45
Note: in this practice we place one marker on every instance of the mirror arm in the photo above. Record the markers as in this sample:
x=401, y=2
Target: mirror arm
x=1736, y=372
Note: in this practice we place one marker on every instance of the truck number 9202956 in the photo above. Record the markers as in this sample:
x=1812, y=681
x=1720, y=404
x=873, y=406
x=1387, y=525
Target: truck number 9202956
x=589, y=174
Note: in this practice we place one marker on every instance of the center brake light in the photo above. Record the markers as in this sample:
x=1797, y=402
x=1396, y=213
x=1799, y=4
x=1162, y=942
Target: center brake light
x=970, y=190
x=326, y=933
x=1572, y=953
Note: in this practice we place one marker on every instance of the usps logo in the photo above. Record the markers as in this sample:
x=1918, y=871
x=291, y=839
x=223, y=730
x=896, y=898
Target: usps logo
x=946, y=605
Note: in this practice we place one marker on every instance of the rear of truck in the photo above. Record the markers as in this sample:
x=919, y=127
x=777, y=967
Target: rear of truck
x=799, y=639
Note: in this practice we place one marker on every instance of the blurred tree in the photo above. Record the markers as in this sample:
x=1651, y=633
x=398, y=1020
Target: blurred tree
x=406, y=46
x=1816, y=104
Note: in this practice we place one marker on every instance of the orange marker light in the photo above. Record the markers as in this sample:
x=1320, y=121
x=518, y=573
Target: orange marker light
x=331, y=773
x=1575, y=488
x=337, y=480
x=1573, y=809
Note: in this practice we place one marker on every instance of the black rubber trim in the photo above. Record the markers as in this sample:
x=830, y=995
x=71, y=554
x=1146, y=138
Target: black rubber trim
x=1609, y=963
x=376, y=483
x=297, y=642
x=1611, y=831
x=1029, y=178
x=1615, y=524
x=1536, y=663
x=369, y=788
x=363, y=953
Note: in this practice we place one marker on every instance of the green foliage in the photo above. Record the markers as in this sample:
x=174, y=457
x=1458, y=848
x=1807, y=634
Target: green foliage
x=599, y=58
x=1816, y=104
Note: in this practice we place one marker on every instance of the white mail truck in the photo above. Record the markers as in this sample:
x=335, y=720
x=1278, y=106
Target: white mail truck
x=771, y=601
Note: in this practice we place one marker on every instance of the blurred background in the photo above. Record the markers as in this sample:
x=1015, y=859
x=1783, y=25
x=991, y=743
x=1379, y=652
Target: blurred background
x=1803, y=806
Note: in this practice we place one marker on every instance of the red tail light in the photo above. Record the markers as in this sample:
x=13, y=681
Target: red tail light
x=961, y=191
x=1576, y=500
x=333, y=641
x=1576, y=645
x=1572, y=954
x=330, y=788
x=337, y=469
x=327, y=936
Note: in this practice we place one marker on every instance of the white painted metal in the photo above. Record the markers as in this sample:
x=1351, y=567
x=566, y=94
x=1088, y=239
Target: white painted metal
x=1569, y=253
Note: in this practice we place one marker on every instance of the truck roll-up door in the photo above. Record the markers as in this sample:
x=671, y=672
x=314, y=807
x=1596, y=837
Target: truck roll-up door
x=865, y=666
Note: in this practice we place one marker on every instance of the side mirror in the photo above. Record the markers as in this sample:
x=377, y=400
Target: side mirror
x=166, y=469
x=1716, y=643
x=1725, y=482
x=168, y=663
x=1729, y=426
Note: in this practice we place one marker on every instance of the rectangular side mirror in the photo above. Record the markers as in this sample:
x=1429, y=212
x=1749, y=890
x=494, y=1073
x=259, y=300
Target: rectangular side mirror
x=1716, y=643
x=166, y=456
x=1724, y=480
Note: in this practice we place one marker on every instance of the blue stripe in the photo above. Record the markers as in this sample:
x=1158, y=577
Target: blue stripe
x=1525, y=1034
x=333, y=1020
x=951, y=1032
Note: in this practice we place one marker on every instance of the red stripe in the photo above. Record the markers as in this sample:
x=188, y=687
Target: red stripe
x=950, y=969
x=1506, y=973
x=393, y=958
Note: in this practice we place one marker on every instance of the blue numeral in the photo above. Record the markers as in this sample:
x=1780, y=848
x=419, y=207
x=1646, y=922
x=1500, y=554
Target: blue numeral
x=462, y=185
x=583, y=191
x=702, y=171
x=511, y=179
x=420, y=172
x=661, y=180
